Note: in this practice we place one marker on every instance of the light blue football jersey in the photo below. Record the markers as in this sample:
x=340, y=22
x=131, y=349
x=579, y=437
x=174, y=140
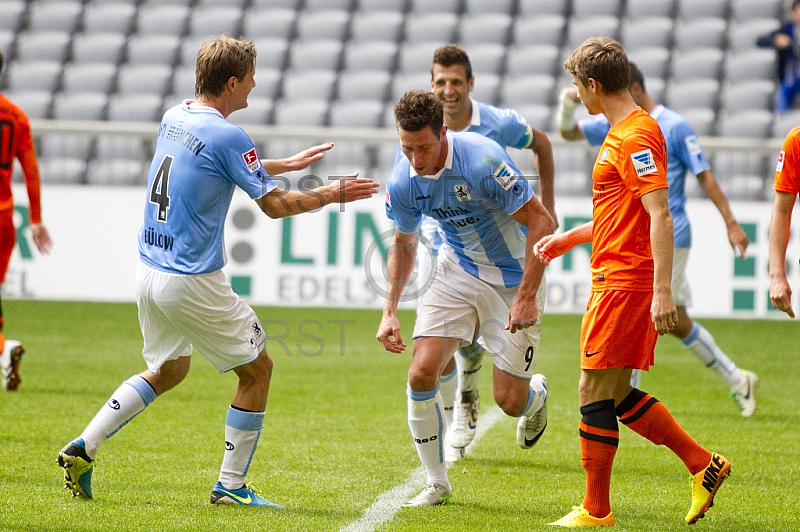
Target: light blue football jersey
x=471, y=199
x=504, y=126
x=683, y=154
x=200, y=158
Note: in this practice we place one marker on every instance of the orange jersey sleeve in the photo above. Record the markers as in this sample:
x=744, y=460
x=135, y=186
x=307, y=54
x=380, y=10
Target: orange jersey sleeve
x=787, y=173
x=16, y=142
x=631, y=163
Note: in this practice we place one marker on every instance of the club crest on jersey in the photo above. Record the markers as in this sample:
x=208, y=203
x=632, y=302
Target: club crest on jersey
x=504, y=176
x=462, y=193
x=251, y=160
x=781, y=157
x=643, y=162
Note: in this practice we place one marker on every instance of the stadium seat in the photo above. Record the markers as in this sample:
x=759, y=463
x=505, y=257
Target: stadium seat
x=362, y=113
x=62, y=170
x=489, y=6
x=534, y=8
x=653, y=62
x=114, y=17
x=136, y=107
x=417, y=57
x=308, y=85
x=151, y=49
x=344, y=5
x=405, y=82
x=11, y=14
x=750, y=94
x=377, y=26
x=486, y=58
x=440, y=6
x=6, y=41
x=743, y=34
x=745, y=10
x=534, y=89
x=144, y=79
x=271, y=53
x=692, y=9
x=687, y=65
x=258, y=112
x=168, y=19
x=213, y=20
x=90, y=77
x=426, y=27
x=581, y=29
x=532, y=59
x=397, y=6
x=484, y=28
x=268, y=83
x=704, y=32
x=301, y=113
x=700, y=118
x=544, y=29
x=228, y=3
x=54, y=16
x=117, y=172
x=323, y=54
x=275, y=23
x=698, y=92
x=111, y=147
x=647, y=33
x=758, y=63
x=785, y=122
x=641, y=9
x=36, y=103
x=43, y=46
x=324, y=24
x=183, y=78
x=487, y=87
x=364, y=85
x=656, y=88
x=751, y=123
x=591, y=8
x=537, y=115
x=98, y=48
x=41, y=75
x=268, y=4
x=371, y=55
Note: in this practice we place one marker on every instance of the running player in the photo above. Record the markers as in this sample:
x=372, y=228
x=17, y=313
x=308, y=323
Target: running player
x=683, y=154
x=631, y=301
x=488, y=217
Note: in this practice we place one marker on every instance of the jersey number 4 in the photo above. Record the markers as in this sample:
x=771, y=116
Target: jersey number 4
x=159, y=193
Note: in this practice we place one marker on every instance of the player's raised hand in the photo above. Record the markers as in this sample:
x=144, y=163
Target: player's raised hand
x=41, y=238
x=305, y=158
x=780, y=293
x=353, y=188
x=389, y=334
x=550, y=247
x=738, y=239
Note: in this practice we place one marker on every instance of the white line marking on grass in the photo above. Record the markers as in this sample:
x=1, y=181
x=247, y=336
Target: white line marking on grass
x=387, y=504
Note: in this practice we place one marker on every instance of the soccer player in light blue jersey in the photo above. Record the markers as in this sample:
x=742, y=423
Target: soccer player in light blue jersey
x=452, y=81
x=486, y=274
x=184, y=299
x=683, y=154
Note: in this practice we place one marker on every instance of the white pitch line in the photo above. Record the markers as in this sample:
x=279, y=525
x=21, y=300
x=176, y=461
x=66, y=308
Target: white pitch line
x=387, y=504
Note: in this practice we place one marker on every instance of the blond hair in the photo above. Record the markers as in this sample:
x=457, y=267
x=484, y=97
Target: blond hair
x=219, y=59
x=602, y=59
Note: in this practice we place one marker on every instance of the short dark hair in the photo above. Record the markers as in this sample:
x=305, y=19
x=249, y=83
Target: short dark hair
x=795, y=4
x=637, y=76
x=218, y=60
x=418, y=109
x=602, y=59
x=449, y=55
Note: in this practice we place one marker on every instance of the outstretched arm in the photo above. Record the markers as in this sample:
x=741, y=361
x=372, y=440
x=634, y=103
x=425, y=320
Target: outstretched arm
x=736, y=235
x=779, y=290
x=552, y=246
x=283, y=203
x=298, y=161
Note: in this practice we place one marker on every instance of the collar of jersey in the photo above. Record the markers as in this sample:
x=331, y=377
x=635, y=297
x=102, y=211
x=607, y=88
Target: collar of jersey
x=448, y=162
x=199, y=108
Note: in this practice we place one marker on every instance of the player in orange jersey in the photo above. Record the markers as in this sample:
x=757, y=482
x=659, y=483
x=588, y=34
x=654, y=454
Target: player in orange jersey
x=787, y=185
x=16, y=142
x=631, y=301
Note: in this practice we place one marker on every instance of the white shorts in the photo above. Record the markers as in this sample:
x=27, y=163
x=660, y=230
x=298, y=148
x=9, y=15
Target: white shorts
x=177, y=312
x=457, y=304
x=681, y=292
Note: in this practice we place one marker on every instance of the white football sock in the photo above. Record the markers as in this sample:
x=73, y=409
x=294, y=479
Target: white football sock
x=448, y=385
x=131, y=398
x=426, y=421
x=537, y=393
x=469, y=361
x=242, y=430
x=702, y=344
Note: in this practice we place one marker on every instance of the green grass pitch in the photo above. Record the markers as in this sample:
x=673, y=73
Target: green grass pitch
x=335, y=437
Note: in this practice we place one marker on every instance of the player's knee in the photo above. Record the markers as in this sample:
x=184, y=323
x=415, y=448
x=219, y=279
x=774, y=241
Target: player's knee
x=422, y=379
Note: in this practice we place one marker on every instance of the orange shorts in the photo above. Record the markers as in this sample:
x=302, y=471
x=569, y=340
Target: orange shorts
x=617, y=332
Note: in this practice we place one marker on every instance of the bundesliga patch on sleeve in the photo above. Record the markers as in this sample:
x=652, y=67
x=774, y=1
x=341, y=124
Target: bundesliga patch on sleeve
x=504, y=176
x=781, y=157
x=693, y=145
x=251, y=160
x=643, y=162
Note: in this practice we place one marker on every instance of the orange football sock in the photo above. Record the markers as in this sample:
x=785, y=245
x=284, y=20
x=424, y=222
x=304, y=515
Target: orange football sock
x=599, y=440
